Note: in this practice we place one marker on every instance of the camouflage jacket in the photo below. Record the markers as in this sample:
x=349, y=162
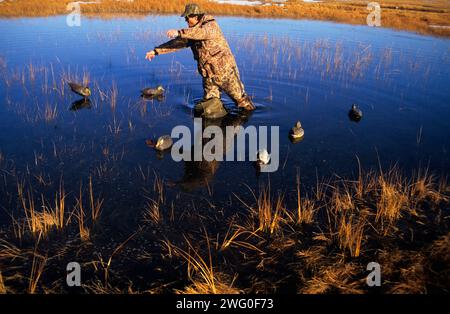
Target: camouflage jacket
x=209, y=46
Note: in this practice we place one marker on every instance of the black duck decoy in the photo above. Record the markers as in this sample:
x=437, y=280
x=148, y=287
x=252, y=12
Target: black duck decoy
x=81, y=90
x=153, y=92
x=355, y=114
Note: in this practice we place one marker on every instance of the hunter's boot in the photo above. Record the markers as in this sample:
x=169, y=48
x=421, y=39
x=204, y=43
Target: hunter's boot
x=211, y=108
x=246, y=103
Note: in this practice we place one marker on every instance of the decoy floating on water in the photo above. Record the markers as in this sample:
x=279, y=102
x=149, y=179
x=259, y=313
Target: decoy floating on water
x=355, y=114
x=153, y=92
x=297, y=131
x=164, y=142
x=262, y=157
x=80, y=89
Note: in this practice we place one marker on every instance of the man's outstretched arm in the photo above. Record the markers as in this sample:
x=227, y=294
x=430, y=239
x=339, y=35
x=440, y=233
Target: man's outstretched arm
x=168, y=47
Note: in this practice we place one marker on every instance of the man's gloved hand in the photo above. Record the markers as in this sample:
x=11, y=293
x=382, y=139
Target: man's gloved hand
x=172, y=33
x=150, y=55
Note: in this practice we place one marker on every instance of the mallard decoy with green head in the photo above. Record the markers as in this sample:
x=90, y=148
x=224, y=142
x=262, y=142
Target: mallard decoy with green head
x=355, y=113
x=297, y=131
x=153, y=92
x=81, y=90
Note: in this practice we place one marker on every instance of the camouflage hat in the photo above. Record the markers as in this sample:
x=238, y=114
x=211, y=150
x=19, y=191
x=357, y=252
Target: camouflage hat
x=192, y=9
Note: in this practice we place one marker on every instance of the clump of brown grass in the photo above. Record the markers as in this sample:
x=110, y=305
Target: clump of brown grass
x=223, y=284
x=232, y=239
x=393, y=196
x=305, y=207
x=337, y=278
x=342, y=201
x=95, y=205
x=41, y=222
x=152, y=211
x=350, y=233
x=205, y=280
x=375, y=200
x=269, y=212
x=2, y=285
x=266, y=215
x=423, y=187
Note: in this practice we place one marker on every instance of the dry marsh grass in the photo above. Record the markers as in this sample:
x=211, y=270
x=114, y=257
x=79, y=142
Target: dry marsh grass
x=95, y=203
x=204, y=279
x=350, y=234
x=305, y=207
x=393, y=197
x=37, y=269
x=267, y=214
x=153, y=204
x=39, y=216
x=2, y=285
x=276, y=245
x=428, y=18
x=40, y=222
x=234, y=238
x=80, y=214
x=338, y=278
x=152, y=212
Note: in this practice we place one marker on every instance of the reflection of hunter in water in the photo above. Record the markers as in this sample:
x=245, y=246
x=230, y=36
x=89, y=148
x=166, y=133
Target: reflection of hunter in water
x=200, y=173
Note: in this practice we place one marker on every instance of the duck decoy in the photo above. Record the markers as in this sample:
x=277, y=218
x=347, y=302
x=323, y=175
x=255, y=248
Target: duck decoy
x=81, y=90
x=262, y=157
x=153, y=92
x=164, y=142
x=355, y=114
x=297, y=132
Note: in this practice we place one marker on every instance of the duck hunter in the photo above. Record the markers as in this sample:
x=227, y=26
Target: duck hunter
x=216, y=63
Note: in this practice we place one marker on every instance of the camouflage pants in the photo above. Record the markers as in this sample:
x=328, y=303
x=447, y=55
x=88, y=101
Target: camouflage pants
x=229, y=82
